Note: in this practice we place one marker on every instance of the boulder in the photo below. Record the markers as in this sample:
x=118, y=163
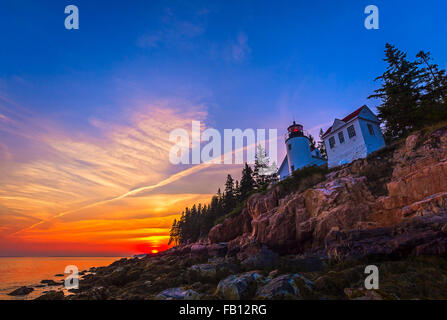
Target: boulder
x=287, y=286
x=204, y=271
x=51, y=283
x=258, y=257
x=239, y=287
x=362, y=294
x=52, y=295
x=22, y=291
x=217, y=249
x=178, y=294
x=199, y=249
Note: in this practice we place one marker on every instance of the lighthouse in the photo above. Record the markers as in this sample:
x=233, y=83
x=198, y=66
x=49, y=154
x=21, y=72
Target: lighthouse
x=299, y=153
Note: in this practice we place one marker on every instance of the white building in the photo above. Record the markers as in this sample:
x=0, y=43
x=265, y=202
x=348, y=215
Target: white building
x=353, y=137
x=299, y=153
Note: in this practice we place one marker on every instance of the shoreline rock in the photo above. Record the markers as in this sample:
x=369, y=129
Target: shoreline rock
x=22, y=291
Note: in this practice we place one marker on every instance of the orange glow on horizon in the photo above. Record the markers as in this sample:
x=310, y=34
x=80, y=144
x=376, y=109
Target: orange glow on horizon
x=111, y=194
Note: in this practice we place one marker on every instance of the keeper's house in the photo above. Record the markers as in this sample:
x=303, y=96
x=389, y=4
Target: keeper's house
x=353, y=137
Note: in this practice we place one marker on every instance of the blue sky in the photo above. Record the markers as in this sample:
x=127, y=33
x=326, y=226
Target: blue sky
x=247, y=61
x=85, y=114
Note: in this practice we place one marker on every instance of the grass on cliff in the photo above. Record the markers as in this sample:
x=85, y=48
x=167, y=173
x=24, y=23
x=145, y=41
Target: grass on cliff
x=233, y=213
x=303, y=179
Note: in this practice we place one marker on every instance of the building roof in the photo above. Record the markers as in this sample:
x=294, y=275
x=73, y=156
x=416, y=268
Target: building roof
x=348, y=118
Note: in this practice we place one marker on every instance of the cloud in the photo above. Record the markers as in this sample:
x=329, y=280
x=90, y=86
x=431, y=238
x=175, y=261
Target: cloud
x=68, y=178
x=240, y=48
x=174, y=31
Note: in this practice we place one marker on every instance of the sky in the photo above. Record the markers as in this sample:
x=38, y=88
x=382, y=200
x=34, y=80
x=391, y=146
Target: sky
x=85, y=115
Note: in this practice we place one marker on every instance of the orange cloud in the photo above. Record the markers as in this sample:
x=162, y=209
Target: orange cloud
x=110, y=192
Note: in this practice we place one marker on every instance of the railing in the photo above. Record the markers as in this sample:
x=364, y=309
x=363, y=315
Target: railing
x=305, y=133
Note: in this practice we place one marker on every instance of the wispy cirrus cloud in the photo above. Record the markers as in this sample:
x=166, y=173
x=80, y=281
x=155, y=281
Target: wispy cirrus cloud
x=174, y=30
x=68, y=178
x=240, y=50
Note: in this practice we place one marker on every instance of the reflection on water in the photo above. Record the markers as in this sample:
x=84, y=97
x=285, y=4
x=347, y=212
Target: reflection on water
x=29, y=271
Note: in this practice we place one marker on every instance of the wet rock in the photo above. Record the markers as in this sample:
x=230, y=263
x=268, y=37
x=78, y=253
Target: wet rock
x=362, y=294
x=217, y=249
x=51, y=283
x=256, y=257
x=237, y=287
x=204, y=271
x=199, y=249
x=178, y=294
x=287, y=286
x=52, y=295
x=98, y=293
x=22, y=291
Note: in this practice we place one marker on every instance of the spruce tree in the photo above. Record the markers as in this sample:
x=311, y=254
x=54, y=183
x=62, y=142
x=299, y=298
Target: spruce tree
x=433, y=106
x=400, y=93
x=247, y=181
x=229, y=198
x=312, y=143
x=322, y=146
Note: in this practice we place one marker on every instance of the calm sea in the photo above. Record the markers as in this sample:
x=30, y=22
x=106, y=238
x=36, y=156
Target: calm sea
x=17, y=272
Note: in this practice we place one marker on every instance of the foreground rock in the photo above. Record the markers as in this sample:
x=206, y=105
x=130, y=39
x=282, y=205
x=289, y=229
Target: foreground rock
x=178, y=294
x=51, y=283
x=22, y=291
x=52, y=295
x=389, y=209
x=239, y=287
x=287, y=286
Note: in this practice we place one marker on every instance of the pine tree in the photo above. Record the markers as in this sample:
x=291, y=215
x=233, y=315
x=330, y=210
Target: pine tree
x=312, y=143
x=322, y=146
x=247, y=181
x=400, y=93
x=229, y=198
x=260, y=167
x=434, y=100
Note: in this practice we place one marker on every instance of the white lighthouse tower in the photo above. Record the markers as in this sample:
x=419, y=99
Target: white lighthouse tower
x=299, y=153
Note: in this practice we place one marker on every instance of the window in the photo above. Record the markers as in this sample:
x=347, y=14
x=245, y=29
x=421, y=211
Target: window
x=371, y=129
x=292, y=167
x=341, y=137
x=351, y=132
x=332, y=142
x=290, y=146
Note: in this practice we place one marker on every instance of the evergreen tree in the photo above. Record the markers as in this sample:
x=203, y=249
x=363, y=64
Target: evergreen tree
x=322, y=146
x=229, y=197
x=247, y=181
x=434, y=100
x=400, y=93
x=312, y=143
x=260, y=167
x=237, y=192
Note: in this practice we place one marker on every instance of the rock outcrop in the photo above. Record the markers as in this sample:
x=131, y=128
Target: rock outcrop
x=22, y=291
x=387, y=203
x=389, y=209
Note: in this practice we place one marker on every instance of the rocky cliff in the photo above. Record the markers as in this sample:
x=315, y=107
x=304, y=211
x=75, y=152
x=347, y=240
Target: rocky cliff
x=393, y=202
x=389, y=209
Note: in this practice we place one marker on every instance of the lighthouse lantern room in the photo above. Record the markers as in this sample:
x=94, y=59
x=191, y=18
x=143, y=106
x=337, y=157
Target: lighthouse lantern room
x=299, y=153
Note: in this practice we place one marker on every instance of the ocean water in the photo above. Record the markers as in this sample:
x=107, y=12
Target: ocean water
x=29, y=271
